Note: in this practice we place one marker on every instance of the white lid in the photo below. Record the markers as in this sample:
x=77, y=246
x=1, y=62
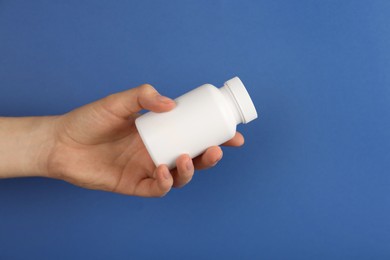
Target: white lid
x=244, y=101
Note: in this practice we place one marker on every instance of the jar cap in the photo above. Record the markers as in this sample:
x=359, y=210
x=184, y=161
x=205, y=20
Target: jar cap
x=244, y=101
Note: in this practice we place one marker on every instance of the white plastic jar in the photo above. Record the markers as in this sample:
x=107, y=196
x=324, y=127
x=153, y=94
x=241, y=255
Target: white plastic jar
x=203, y=117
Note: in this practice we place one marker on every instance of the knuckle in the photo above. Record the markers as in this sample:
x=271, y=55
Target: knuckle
x=146, y=88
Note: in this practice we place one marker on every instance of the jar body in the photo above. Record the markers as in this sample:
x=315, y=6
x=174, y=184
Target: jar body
x=201, y=118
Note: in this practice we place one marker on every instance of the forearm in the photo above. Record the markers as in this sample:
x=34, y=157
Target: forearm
x=25, y=145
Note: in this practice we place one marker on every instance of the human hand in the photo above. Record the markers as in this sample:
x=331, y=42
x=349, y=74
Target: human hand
x=97, y=146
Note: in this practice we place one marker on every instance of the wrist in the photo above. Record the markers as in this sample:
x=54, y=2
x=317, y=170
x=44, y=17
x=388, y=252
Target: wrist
x=41, y=148
x=26, y=144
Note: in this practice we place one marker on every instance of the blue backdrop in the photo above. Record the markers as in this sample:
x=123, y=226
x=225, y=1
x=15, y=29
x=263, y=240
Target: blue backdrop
x=311, y=182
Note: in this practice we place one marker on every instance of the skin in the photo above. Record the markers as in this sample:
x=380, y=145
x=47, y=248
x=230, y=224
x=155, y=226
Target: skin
x=97, y=146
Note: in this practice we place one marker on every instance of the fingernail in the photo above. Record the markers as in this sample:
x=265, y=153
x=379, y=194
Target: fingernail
x=164, y=99
x=166, y=174
x=216, y=161
x=189, y=165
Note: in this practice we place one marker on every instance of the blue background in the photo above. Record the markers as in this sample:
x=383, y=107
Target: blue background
x=311, y=182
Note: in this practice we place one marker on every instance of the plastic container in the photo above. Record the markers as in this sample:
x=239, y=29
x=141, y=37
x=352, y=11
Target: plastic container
x=203, y=117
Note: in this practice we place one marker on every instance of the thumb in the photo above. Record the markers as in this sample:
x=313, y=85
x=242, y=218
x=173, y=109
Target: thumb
x=126, y=103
